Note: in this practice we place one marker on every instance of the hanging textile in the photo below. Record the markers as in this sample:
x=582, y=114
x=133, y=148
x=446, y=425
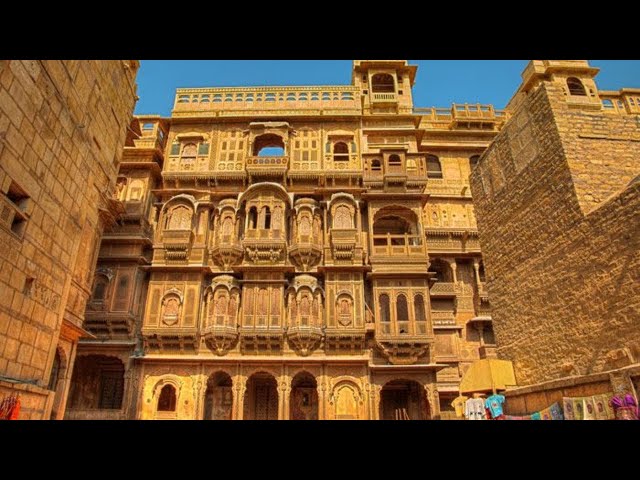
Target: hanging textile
x=458, y=404
x=10, y=407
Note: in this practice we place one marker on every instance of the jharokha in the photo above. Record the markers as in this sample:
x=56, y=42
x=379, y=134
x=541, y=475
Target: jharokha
x=304, y=252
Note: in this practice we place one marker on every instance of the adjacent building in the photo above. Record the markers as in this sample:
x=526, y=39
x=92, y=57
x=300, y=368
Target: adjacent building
x=558, y=202
x=62, y=130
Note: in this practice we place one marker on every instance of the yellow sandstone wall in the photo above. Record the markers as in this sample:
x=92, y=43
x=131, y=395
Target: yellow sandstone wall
x=62, y=131
x=559, y=221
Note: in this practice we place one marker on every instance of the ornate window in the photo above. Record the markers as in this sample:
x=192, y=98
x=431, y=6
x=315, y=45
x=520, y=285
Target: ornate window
x=188, y=157
x=402, y=314
x=376, y=166
x=167, y=399
x=100, y=288
x=382, y=83
x=394, y=161
x=576, y=87
x=342, y=219
x=179, y=218
x=135, y=190
x=253, y=218
x=340, y=152
x=171, y=306
x=344, y=306
x=267, y=217
x=385, y=311
x=418, y=307
x=434, y=168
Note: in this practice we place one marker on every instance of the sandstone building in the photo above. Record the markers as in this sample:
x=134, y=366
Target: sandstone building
x=62, y=131
x=291, y=253
x=558, y=201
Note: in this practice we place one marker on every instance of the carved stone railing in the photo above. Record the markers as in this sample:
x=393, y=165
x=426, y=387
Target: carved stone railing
x=170, y=338
x=444, y=289
x=447, y=118
x=261, y=338
x=404, y=349
x=345, y=246
x=459, y=240
x=441, y=319
x=266, y=100
x=306, y=252
x=400, y=245
x=386, y=97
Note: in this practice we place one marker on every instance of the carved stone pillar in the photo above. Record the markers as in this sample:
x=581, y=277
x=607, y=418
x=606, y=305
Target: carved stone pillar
x=376, y=391
x=284, y=391
x=322, y=399
x=476, y=269
x=454, y=268
x=433, y=400
x=239, y=388
x=199, y=392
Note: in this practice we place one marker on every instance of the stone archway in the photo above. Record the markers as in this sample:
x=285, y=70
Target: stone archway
x=403, y=400
x=218, y=398
x=303, y=402
x=97, y=383
x=261, y=397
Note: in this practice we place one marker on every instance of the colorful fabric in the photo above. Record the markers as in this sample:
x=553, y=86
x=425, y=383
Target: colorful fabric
x=578, y=408
x=567, y=404
x=625, y=407
x=626, y=413
x=494, y=404
x=536, y=416
x=458, y=405
x=556, y=412
x=545, y=414
x=589, y=411
x=601, y=404
x=474, y=409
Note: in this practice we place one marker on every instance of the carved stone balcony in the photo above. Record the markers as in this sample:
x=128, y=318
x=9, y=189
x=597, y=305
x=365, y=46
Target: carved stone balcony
x=100, y=323
x=444, y=290
x=170, y=338
x=452, y=240
x=226, y=252
x=398, y=245
x=404, y=349
x=176, y=243
x=264, y=247
x=306, y=252
x=261, y=339
x=443, y=318
x=267, y=167
x=220, y=338
x=384, y=98
x=345, y=246
x=304, y=339
x=345, y=340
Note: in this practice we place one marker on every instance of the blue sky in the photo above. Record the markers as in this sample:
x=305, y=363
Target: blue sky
x=438, y=83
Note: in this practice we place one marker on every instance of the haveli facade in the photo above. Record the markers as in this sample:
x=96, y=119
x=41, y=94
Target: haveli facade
x=339, y=279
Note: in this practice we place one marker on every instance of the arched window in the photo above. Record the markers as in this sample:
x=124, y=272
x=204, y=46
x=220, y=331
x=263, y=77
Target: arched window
x=268, y=145
x=385, y=312
x=267, y=218
x=394, y=161
x=100, y=288
x=167, y=399
x=434, y=168
x=418, y=307
x=402, y=314
x=340, y=152
x=576, y=87
x=382, y=82
x=55, y=372
x=375, y=165
x=189, y=150
x=473, y=161
x=253, y=218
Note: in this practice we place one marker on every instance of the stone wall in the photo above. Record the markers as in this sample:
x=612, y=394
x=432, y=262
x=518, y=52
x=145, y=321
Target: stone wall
x=559, y=227
x=62, y=131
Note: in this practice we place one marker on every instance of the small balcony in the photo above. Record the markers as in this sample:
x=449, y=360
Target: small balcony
x=306, y=252
x=220, y=338
x=384, y=98
x=405, y=349
x=341, y=341
x=304, y=339
x=398, y=245
x=105, y=324
x=267, y=167
x=262, y=338
x=264, y=246
x=444, y=290
x=345, y=247
x=443, y=318
x=226, y=252
x=170, y=338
